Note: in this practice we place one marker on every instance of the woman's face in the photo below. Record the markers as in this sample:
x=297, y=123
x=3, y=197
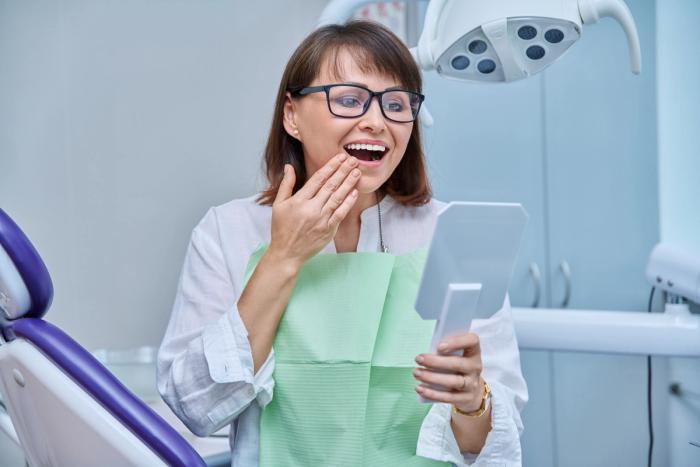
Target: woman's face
x=324, y=135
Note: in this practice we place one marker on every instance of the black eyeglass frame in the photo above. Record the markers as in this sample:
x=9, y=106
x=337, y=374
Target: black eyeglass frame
x=327, y=87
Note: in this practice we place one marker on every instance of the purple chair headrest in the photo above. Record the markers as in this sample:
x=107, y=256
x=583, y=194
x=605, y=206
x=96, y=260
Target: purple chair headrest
x=28, y=265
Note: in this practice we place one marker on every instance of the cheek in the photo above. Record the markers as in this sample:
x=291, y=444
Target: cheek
x=401, y=135
x=314, y=159
x=406, y=138
x=402, y=143
x=324, y=139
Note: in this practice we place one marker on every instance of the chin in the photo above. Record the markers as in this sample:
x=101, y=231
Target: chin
x=366, y=185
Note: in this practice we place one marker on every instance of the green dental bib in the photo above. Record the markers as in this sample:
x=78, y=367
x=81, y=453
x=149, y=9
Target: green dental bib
x=344, y=356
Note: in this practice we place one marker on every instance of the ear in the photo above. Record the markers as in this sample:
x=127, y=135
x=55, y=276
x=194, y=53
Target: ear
x=289, y=117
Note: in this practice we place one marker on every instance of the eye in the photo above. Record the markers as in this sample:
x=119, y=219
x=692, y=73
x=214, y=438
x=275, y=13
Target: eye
x=396, y=101
x=394, y=106
x=348, y=101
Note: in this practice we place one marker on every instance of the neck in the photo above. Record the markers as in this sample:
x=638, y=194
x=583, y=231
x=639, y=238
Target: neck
x=348, y=233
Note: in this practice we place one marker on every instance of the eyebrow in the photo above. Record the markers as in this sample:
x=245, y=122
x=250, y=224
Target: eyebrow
x=355, y=83
x=392, y=88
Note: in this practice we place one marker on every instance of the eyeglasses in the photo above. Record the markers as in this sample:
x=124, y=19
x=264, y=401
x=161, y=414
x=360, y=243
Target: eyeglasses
x=350, y=101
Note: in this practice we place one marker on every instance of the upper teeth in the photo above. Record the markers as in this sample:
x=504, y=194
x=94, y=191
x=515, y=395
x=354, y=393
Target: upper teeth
x=368, y=147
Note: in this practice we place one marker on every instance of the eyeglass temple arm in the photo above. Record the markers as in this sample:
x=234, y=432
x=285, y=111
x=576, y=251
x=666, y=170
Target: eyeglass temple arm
x=426, y=117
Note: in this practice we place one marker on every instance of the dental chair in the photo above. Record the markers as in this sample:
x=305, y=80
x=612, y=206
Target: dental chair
x=66, y=408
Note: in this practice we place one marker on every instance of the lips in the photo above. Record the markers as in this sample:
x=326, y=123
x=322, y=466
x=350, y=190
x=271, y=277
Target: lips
x=367, y=151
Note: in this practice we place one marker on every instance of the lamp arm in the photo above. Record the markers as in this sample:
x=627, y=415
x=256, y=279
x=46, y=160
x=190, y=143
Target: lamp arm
x=592, y=10
x=424, y=53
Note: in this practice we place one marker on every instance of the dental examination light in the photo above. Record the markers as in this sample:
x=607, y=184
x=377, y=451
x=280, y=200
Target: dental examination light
x=501, y=40
x=508, y=40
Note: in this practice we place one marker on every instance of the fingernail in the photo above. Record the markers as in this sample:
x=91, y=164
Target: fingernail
x=420, y=359
x=343, y=156
x=442, y=346
x=417, y=372
x=356, y=172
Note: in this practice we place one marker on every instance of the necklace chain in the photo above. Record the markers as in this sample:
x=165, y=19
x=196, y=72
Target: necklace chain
x=382, y=247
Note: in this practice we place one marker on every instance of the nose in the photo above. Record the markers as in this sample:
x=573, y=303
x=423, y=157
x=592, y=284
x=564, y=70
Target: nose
x=373, y=119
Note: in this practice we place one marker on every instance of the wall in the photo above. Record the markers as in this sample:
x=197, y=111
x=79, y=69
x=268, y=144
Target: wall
x=679, y=190
x=679, y=120
x=121, y=122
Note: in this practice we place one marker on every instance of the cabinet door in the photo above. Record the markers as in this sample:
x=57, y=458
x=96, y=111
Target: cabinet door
x=601, y=162
x=486, y=145
x=538, y=441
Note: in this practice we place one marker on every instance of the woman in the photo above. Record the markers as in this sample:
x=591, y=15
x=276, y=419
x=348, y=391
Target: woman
x=346, y=174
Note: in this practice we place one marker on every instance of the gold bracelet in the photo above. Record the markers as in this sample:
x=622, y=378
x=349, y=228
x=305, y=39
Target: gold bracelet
x=482, y=408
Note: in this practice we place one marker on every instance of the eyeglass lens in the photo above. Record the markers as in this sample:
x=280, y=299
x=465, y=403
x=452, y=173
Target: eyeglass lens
x=350, y=101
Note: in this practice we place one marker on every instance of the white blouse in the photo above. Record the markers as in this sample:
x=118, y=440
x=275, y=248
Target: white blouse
x=205, y=364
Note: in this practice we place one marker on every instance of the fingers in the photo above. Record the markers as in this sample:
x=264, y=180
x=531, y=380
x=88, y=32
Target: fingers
x=467, y=400
x=342, y=211
x=467, y=343
x=317, y=180
x=338, y=185
x=336, y=198
x=451, y=363
x=452, y=378
x=462, y=390
x=287, y=185
x=450, y=381
x=439, y=396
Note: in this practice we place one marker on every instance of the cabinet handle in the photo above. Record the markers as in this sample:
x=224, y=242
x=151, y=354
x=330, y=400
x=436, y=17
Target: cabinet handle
x=535, y=273
x=566, y=272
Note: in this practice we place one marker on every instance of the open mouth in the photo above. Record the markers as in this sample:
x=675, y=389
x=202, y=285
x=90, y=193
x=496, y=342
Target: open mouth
x=366, y=152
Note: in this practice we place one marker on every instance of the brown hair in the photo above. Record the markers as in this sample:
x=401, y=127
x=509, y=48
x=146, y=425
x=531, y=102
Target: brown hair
x=375, y=49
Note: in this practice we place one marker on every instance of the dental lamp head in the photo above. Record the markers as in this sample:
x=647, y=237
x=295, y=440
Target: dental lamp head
x=501, y=40
x=674, y=271
x=508, y=40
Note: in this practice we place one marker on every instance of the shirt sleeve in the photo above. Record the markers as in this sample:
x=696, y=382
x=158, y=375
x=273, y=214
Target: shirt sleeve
x=501, y=363
x=205, y=364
